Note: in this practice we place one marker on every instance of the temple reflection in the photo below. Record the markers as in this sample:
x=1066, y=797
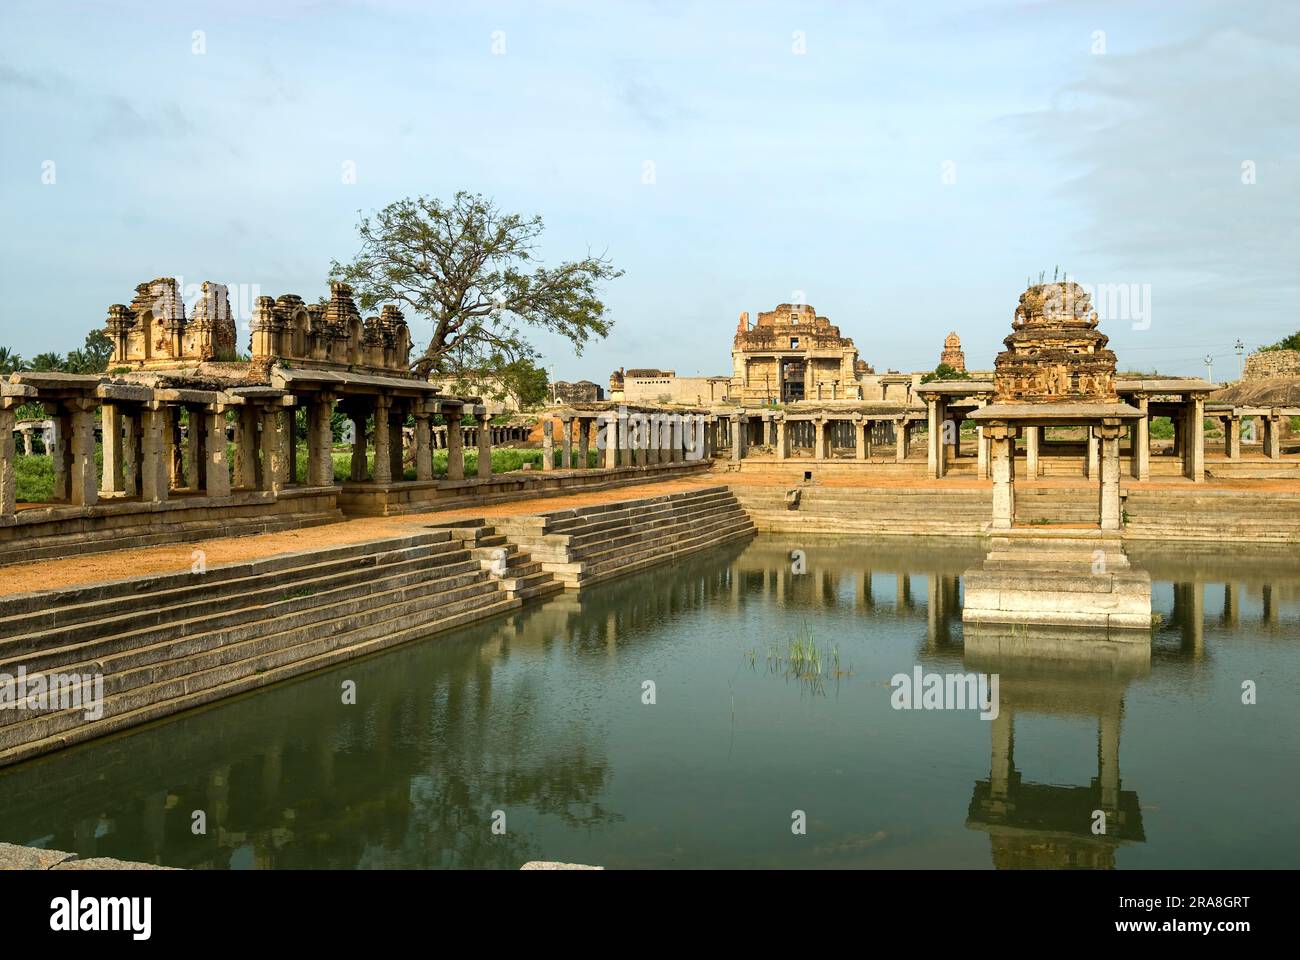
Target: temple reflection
x=1045, y=672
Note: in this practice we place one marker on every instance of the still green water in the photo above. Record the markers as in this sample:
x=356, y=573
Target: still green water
x=541, y=716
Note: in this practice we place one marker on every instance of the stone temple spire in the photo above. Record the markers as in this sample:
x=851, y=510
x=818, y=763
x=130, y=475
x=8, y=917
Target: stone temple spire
x=1055, y=352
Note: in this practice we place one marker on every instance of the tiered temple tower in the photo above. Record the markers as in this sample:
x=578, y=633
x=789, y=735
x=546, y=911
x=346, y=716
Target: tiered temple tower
x=1055, y=353
x=952, y=353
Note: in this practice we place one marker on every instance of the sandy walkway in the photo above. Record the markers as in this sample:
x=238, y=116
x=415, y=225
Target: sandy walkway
x=178, y=557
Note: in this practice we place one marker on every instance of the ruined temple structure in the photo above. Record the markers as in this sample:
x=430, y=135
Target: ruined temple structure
x=790, y=355
x=1055, y=353
x=952, y=353
x=331, y=335
x=154, y=333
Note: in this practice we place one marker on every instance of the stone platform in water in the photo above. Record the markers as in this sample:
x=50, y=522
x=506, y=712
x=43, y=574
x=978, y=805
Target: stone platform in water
x=1063, y=578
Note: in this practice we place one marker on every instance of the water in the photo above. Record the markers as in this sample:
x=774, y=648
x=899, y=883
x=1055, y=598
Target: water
x=541, y=716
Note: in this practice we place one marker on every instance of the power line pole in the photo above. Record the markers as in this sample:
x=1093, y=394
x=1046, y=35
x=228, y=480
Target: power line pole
x=1209, y=368
x=1240, y=348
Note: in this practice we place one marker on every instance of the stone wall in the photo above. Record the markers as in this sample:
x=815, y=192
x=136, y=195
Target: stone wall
x=1273, y=363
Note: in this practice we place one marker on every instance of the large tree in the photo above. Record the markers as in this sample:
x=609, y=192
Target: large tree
x=470, y=270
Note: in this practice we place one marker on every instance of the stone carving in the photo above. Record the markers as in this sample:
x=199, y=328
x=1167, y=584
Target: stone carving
x=330, y=335
x=1055, y=352
x=153, y=331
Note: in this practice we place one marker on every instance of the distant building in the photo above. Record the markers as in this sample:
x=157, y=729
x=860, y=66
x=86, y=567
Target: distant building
x=790, y=355
x=952, y=353
x=583, y=391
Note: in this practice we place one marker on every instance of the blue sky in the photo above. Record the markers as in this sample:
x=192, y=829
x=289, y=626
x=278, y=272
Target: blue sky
x=776, y=172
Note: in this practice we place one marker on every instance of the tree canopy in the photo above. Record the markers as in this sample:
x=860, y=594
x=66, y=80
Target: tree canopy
x=945, y=372
x=1286, y=343
x=470, y=270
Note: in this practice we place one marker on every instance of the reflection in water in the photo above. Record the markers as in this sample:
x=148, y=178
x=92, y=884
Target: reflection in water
x=1055, y=672
x=540, y=715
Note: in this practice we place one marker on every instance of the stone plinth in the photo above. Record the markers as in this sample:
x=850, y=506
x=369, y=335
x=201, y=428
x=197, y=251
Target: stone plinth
x=1075, y=578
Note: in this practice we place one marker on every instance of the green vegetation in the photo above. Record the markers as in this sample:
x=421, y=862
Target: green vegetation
x=1162, y=428
x=945, y=372
x=803, y=660
x=93, y=357
x=466, y=268
x=1286, y=343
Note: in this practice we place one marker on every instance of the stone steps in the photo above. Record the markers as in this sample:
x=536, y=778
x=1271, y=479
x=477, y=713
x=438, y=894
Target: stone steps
x=135, y=677
x=319, y=654
x=166, y=643
x=586, y=545
x=170, y=607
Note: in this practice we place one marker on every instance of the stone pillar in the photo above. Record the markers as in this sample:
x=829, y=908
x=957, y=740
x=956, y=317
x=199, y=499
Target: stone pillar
x=114, y=479
x=84, y=475
x=566, y=443
x=61, y=454
x=738, y=425
x=606, y=430
x=193, y=468
x=654, y=438
x=860, y=430
x=1178, y=424
x=1090, y=465
x=1232, y=436
x=902, y=436
x=27, y=441
x=484, y=444
x=423, y=447
x=1002, y=437
x=1108, y=434
x=1194, y=441
x=935, y=453
x=320, y=442
x=640, y=430
x=982, y=454
x=246, y=465
x=216, y=468
x=548, y=444
x=1032, y=437
x=455, y=446
x=8, y=461
x=782, y=439
x=155, y=454
x=135, y=447
x=621, y=437
x=276, y=433
x=1141, y=466
x=675, y=438
x=665, y=438
x=1273, y=435
x=383, y=472
x=819, y=438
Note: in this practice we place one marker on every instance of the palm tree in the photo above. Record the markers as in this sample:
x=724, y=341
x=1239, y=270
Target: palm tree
x=10, y=362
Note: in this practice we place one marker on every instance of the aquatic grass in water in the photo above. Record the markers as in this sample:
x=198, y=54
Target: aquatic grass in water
x=803, y=660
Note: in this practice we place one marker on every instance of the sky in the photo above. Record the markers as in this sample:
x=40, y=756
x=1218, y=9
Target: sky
x=903, y=167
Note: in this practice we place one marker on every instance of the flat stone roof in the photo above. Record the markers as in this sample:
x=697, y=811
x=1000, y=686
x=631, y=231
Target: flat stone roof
x=1165, y=385
x=1052, y=413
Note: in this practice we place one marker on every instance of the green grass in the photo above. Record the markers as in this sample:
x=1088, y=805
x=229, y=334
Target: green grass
x=35, y=479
